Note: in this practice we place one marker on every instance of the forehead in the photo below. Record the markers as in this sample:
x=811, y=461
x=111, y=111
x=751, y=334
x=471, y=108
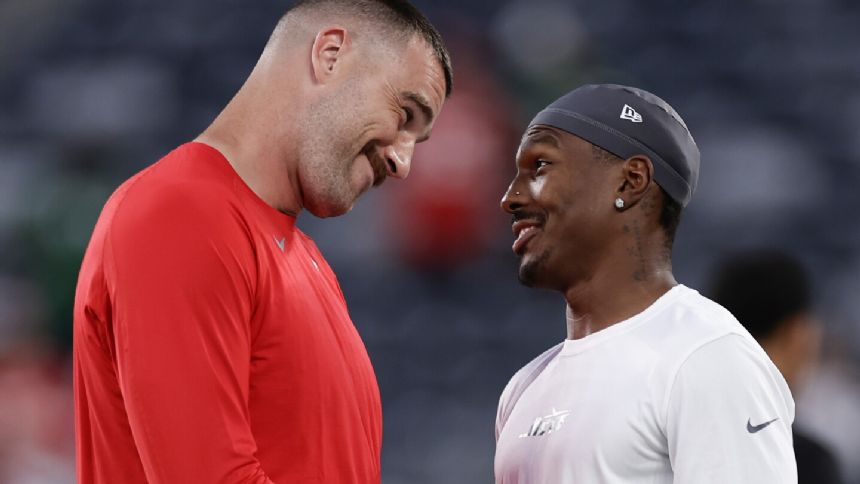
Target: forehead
x=546, y=137
x=419, y=71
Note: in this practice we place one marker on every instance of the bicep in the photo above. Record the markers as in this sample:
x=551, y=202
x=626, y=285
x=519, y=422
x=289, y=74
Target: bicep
x=719, y=389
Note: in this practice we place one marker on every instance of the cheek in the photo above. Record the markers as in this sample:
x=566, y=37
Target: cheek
x=574, y=210
x=537, y=186
x=378, y=129
x=557, y=195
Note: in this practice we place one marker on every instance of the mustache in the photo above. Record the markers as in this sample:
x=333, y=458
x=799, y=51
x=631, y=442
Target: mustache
x=378, y=163
x=533, y=216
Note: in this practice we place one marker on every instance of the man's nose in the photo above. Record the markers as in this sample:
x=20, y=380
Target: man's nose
x=398, y=157
x=512, y=199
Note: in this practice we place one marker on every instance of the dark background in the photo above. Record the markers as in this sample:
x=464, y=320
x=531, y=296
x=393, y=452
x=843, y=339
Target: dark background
x=91, y=91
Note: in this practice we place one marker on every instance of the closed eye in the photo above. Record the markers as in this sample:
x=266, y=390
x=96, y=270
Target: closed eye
x=408, y=115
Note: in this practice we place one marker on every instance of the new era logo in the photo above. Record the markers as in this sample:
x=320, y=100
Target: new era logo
x=630, y=114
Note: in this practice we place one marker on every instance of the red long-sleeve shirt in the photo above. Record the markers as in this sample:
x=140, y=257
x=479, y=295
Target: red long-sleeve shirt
x=212, y=343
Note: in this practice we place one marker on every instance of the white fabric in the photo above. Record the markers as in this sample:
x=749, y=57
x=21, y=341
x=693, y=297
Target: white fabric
x=664, y=397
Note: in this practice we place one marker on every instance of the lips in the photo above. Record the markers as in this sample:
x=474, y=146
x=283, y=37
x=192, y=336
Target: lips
x=524, y=231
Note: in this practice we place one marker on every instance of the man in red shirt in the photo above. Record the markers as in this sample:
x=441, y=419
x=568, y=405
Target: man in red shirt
x=212, y=343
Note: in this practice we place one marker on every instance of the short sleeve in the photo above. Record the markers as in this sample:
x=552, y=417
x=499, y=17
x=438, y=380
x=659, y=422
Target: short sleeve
x=519, y=383
x=729, y=417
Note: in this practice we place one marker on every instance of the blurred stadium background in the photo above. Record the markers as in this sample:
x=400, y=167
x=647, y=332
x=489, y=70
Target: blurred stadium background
x=92, y=91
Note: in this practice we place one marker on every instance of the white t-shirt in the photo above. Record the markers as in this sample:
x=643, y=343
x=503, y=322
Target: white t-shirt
x=679, y=393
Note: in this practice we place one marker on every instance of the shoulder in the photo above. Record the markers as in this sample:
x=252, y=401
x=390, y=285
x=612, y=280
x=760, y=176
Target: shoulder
x=728, y=414
x=698, y=326
x=702, y=329
x=732, y=358
x=532, y=369
x=182, y=207
x=695, y=316
x=686, y=323
x=187, y=190
x=521, y=381
x=191, y=175
x=698, y=342
x=739, y=371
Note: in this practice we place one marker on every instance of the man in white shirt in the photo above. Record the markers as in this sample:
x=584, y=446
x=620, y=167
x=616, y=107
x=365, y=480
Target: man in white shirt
x=654, y=383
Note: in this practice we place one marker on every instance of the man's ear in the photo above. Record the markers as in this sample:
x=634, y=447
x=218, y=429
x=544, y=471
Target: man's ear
x=637, y=173
x=329, y=46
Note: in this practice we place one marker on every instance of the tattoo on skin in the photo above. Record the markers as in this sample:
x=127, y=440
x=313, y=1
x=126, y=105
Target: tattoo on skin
x=649, y=204
x=639, y=274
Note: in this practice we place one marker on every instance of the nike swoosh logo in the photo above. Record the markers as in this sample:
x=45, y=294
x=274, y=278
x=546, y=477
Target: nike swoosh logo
x=280, y=242
x=755, y=428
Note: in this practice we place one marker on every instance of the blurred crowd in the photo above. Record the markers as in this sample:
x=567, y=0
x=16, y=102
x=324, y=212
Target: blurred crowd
x=91, y=91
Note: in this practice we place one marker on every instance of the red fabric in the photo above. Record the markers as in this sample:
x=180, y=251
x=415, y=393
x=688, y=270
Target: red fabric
x=212, y=343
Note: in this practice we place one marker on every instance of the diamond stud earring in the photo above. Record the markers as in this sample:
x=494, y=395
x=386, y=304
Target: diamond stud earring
x=619, y=203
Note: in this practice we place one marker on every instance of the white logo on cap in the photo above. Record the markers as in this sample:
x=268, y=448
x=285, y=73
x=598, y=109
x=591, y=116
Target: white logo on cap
x=630, y=114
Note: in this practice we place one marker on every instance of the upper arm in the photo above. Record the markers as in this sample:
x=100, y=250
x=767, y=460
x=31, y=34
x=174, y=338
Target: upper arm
x=718, y=390
x=181, y=280
x=503, y=410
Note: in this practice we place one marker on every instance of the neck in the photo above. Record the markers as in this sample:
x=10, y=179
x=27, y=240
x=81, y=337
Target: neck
x=624, y=286
x=251, y=133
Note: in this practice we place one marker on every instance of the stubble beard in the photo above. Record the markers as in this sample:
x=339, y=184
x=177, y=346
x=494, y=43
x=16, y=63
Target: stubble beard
x=326, y=187
x=327, y=156
x=530, y=271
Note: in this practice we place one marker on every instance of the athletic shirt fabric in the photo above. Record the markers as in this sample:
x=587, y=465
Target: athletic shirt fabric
x=212, y=342
x=679, y=393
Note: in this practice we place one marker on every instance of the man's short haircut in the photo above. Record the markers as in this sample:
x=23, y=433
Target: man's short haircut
x=399, y=15
x=670, y=210
x=763, y=289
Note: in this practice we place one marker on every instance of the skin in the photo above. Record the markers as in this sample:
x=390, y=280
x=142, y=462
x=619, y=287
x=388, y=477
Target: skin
x=329, y=111
x=609, y=264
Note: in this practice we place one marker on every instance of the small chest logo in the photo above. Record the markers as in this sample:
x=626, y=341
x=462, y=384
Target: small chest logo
x=280, y=242
x=547, y=424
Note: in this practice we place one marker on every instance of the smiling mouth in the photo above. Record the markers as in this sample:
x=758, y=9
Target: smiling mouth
x=524, y=231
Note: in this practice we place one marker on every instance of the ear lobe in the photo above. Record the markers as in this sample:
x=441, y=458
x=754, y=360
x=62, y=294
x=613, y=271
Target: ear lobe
x=638, y=171
x=327, y=50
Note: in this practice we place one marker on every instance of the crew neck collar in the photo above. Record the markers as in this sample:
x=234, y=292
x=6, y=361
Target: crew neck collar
x=243, y=187
x=575, y=346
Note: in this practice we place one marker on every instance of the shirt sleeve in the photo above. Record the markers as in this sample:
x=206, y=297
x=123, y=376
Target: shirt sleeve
x=182, y=274
x=519, y=383
x=502, y=411
x=729, y=417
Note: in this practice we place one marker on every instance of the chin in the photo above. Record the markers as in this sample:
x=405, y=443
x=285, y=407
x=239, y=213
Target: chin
x=329, y=212
x=533, y=270
x=329, y=208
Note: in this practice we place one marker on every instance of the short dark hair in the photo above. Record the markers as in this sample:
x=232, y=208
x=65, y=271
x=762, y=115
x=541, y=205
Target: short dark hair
x=670, y=211
x=762, y=288
x=399, y=14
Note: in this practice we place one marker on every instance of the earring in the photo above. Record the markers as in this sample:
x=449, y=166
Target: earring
x=518, y=193
x=619, y=203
